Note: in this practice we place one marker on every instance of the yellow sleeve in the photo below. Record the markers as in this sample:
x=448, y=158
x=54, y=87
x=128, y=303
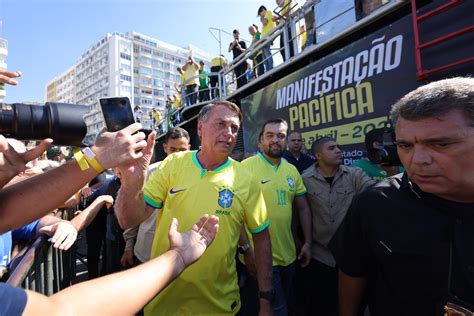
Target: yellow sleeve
x=299, y=185
x=255, y=209
x=156, y=188
x=269, y=16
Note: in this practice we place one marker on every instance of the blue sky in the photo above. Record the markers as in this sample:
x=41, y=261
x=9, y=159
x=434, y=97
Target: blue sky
x=45, y=37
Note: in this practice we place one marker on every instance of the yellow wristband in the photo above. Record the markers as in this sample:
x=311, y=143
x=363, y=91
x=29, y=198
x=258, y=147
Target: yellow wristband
x=81, y=160
x=90, y=157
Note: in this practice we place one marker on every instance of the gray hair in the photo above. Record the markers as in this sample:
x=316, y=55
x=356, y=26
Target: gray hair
x=437, y=99
x=204, y=113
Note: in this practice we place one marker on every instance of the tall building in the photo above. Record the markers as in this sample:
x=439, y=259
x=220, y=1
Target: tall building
x=132, y=65
x=3, y=64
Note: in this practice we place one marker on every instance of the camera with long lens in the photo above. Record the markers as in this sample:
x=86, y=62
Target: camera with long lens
x=386, y=155
x=62, y=122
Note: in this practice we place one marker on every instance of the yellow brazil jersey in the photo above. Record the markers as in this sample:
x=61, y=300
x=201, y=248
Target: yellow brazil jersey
x=287, y=6
x=191, y=74
x=270, y=25
x=218, y=61
x=182, y=188
x=280, y=184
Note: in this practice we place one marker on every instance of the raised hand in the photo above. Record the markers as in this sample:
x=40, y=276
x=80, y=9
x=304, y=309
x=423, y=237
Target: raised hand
x=13, y=163
x=192, y=244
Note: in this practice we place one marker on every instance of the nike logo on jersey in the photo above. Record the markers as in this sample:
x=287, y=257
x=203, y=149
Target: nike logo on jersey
x=263, y=182
x=173, y=191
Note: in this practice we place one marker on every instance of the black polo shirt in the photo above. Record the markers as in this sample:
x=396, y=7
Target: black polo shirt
x=415, y=249
x=303, y=163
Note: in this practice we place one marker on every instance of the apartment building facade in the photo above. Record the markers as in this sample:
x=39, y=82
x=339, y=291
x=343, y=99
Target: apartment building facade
x=132, y=65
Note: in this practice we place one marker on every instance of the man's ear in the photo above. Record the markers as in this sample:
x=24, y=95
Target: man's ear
x=199, y=129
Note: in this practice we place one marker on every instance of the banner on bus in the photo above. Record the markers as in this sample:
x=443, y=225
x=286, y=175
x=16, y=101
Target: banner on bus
x=344, y=95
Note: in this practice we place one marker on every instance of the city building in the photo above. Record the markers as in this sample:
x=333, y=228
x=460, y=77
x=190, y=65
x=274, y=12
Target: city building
x=132, y=65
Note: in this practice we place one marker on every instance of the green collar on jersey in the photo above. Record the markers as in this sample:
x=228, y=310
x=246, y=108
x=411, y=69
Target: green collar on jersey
x=265, y=160
x=204, y=170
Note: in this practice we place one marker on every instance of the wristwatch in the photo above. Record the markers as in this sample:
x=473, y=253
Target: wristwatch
x=267, y=295
x=243, y=249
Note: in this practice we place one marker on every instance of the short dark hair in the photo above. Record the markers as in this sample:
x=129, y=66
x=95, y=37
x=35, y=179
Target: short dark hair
x=375, y=135
x=201, y=62
x=175, y=133
x=436, y=99
x=272, y=121
x=236, y=31
x=204, y=113
x=294, y=132
x=319, y=143
x=260, y=9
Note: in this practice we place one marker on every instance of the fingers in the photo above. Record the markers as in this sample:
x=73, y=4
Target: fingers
x=173, y=226
x=48, y=230
x=6, y=77
x=69, y=241
x=37, y=151
x=132, y=129
x=150, y=143
x=64, y=237
x=3, y=144
x=200, y=223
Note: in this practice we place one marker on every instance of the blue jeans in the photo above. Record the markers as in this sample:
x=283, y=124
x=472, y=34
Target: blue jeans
x=267, y=57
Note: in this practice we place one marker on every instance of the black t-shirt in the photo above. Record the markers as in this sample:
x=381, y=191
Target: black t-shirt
x=236, y=52
x=415, y=249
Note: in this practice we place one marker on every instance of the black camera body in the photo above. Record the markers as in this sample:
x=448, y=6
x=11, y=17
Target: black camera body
x=62, y=122
x=387, y=155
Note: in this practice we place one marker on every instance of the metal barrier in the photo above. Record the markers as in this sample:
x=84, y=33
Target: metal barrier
x=43, y=269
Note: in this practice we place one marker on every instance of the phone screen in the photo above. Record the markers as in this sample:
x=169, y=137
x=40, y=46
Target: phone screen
x=117, y=112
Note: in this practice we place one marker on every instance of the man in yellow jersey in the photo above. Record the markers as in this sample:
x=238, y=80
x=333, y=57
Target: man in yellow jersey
x=217, y=63
x=184, y=186
x=268, y=24
x=285, y=12
x=282, y=188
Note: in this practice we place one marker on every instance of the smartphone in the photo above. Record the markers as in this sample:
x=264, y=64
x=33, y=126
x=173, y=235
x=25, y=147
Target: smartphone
x=117, y=112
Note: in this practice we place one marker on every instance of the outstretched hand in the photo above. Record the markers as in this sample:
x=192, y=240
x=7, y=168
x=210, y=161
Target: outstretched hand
x=12, y=162
x=63, y=234
x=6, y=76
x=192, y=244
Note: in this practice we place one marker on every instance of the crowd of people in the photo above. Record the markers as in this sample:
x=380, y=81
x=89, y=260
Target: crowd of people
x=299, y=233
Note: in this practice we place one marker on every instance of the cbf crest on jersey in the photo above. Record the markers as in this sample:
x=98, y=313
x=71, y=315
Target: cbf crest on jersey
x=225, y=198
x=291, y=182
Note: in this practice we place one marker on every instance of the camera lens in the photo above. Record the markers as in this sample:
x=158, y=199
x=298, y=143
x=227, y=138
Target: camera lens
x=62, y=122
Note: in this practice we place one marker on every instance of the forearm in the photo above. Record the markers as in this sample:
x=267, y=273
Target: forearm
x=38, y=195
x=351, y=291
x=263, y=258
x=130, y=204
x=306, y=224
x=123, y=293
x=83, y=220
x=130, y=237
x=46, y=221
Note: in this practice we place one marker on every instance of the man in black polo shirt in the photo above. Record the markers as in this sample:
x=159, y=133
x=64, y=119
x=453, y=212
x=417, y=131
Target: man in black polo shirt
x=294, y=155
x=410, y=238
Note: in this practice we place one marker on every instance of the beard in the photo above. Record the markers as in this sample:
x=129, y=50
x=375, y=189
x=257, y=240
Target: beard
x=274, y=151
